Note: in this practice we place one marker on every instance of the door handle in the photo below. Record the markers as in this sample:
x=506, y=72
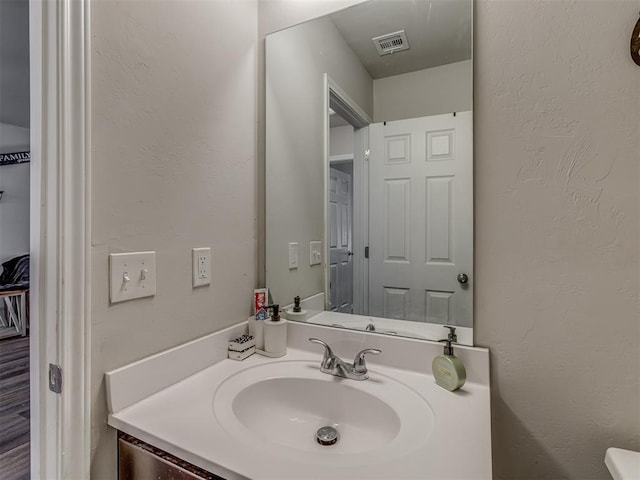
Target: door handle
x=463, y=278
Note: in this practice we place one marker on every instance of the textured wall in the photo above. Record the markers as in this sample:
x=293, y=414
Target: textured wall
x=557, y=144
x=173, y=167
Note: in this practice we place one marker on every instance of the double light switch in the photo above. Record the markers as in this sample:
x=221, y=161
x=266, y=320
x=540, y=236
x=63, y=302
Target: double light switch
x=132, y=275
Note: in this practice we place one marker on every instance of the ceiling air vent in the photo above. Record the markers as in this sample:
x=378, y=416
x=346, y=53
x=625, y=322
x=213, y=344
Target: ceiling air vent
x=391, y=42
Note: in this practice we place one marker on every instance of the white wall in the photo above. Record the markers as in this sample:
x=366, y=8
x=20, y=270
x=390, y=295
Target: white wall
x=14, y=211
x=557, y=118
x=14, y=206
x=173, y=167
x=431, y=91
x=341, y=140
x=297, y=62
x=14, y=62
x=13, y=138
x=274, y=15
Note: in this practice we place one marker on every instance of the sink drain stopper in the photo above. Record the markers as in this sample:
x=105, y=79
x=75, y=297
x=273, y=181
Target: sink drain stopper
x=327, y=436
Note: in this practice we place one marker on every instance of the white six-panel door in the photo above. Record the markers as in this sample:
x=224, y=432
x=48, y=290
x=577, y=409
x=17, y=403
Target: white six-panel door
x=421, y=219
x=340, y=239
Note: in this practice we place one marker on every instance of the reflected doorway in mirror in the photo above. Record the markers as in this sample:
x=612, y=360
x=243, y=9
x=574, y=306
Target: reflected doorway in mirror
x=421, y=219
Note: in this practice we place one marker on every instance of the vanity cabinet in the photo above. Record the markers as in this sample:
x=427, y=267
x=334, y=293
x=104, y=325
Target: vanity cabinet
x=405, y=425
x=138, y=460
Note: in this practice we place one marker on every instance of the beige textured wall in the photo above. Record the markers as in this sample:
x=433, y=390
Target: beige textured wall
x=557, y=152
x=173, y=167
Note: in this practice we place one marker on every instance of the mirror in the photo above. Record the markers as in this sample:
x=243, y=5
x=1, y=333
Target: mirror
x=369, y=168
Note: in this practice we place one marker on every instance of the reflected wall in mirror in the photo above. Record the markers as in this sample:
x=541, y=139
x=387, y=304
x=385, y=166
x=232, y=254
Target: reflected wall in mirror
x=369, y=152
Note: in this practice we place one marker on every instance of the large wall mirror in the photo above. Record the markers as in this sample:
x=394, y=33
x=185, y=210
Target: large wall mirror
x=369, y=167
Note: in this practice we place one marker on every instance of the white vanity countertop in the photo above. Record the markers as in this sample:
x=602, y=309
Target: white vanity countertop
x=178, y=417
x=623, y=464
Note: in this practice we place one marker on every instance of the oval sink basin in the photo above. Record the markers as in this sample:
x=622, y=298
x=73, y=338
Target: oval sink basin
x=290, y=411
x=283, y=404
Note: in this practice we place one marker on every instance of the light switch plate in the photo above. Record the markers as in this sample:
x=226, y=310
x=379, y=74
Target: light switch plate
x=201, y=266
x=315, y=253
x=132, y=275
x=293, y=255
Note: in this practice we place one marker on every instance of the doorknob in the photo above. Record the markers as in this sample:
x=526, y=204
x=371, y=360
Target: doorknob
x=463, y=278
x=349, y=253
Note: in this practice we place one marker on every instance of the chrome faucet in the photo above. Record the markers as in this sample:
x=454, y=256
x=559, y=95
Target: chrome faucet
x=332, y=364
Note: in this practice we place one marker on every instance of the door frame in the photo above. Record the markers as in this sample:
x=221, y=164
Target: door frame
x=60, y=235
x=361, y=220
x=359, y=119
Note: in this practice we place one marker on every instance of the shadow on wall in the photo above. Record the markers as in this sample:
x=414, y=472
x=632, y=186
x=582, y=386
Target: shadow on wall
x=511, y=441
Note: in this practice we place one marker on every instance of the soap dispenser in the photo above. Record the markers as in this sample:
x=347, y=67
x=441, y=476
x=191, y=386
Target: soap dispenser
x=275, y=334
x=296, y=313
x=448, y=369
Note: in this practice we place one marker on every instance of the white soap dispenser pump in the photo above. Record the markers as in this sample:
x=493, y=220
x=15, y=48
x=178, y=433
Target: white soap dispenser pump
x=275, y=334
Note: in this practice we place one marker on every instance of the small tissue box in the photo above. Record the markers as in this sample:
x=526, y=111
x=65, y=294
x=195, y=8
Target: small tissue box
x=242, y=347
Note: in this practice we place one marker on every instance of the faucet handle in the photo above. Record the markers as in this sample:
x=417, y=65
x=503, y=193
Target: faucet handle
x=329, y=357
x=359, y=364
x=324, y=344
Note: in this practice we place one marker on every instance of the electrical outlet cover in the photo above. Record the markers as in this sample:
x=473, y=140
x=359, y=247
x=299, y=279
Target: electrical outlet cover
x=201, y=266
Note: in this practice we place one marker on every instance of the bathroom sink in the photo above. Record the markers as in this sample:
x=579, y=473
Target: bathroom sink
x=281, y=406
x=259, y=418
x=289, y=411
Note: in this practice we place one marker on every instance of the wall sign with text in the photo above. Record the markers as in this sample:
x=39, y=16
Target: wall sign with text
x=13, y=158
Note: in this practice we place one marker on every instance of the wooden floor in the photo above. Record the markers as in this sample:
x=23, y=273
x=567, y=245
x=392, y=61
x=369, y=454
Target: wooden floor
x=14, y=408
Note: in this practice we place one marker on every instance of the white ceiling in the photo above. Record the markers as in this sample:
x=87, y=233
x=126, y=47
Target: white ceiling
x=439, y=32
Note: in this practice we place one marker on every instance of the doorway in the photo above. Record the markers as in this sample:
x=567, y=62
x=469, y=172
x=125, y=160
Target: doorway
x=346, y=215
x=15, y=411
x=421, y=237
x=341, y=236
x=56, y=319
x=399, y=215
